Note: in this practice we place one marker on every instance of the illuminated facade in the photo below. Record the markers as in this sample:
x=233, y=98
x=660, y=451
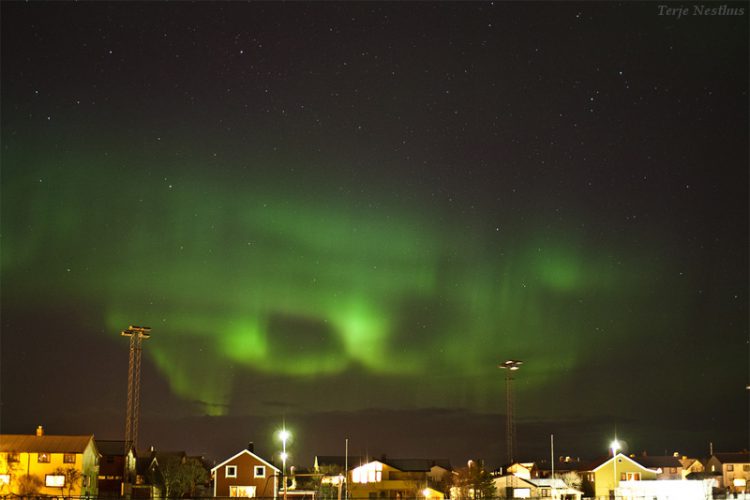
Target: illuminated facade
x=48, y=465
x=246, y=475
x=734, y=469
x=398, y=479
x=627, y=470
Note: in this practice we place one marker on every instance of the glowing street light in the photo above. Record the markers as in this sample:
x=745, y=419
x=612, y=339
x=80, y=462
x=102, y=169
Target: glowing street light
x=284, y=435
x=614, y=446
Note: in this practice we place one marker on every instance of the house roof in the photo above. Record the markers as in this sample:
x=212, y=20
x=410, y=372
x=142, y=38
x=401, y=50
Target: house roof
x=49, y=444
x=417, y=464
x=268, y=464
x=546, y=482
x=337, y=461
x=609, y=459
x=733, y=458
x=659, y=461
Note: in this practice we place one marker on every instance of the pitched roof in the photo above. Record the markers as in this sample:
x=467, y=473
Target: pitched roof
x=48, y=443
x=417, y=464
x=268, y=464
x=609, y=459
x=658, y=461
x=733, y=458
x=338, y=461
x=546, y=482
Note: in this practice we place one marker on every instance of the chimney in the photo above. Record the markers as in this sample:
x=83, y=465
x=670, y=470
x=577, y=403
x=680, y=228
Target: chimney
x=40, y=430
x=251, y=447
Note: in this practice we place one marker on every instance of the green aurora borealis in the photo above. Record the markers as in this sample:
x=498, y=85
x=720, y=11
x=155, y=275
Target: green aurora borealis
x=264, y=278
x=365, y=207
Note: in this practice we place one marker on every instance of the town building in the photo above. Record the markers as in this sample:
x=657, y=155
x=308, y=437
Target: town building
x=116, y=465
x=246, y=474
x=54, y=465
x=732, y=470
x=398, y=479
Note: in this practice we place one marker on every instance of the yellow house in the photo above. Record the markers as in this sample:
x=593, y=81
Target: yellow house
x=398, y=479
x=48, y=465
x=608, y=474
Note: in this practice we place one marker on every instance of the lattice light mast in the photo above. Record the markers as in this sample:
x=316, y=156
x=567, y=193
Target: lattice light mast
x=137, y=335
x=510, y=422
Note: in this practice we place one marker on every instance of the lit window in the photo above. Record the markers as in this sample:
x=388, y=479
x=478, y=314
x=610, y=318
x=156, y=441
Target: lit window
x=54, y=481
x=230, y=471
x=43, y=458
x=4, y=479
x=242, y=491
x=69, y=458
x=260, y=471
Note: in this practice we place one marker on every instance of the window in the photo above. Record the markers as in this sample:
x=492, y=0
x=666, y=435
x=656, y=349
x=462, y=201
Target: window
x=673, y=470
x=4, y=479
x=746, y=468
x=54, y=481
x=85, y=482
x=231, y=471
x=43, y=458
x=730, y=468
x=14, y=457
x=631, y=476
x=241, y=491
x=259, y=471
x=69, y=458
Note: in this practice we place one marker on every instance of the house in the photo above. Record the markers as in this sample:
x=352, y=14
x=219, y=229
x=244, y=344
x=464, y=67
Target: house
x=526, y=470
x=514, y=486
x=667, y=467
x=117, y=462
x=608, y=473
x=332, y=468
x=398, y=478
x=245, y=474
x=54, y=465
x=733, y=469
x=691, y=465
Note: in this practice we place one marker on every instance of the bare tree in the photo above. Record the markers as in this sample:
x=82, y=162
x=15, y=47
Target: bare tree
x=71, y=475
x=29, y=485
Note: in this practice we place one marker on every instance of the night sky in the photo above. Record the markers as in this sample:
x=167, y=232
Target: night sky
x=345, y=215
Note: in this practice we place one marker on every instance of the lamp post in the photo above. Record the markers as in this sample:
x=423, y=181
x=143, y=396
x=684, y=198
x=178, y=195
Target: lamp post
x=614, y=445
x=284, y=435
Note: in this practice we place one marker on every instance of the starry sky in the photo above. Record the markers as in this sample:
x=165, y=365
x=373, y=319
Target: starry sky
x=345, y=215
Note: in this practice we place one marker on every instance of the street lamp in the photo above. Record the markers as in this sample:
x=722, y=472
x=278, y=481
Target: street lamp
x=614, y=446
x=284, y=435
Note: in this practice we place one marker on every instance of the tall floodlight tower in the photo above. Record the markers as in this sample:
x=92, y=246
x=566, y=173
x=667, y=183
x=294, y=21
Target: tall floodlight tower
x=510, y=423
x=137, y=335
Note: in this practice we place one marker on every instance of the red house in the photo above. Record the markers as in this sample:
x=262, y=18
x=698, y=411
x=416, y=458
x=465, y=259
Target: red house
x=246, y=475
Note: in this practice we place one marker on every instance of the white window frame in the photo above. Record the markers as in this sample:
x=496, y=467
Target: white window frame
x=261, y=468
x=233, y=468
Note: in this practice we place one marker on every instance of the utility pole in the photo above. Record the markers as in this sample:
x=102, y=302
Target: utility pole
x=137, y=335
x=510, y=425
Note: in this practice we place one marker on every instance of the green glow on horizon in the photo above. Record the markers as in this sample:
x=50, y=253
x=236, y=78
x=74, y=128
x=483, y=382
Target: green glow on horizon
x=254, y=280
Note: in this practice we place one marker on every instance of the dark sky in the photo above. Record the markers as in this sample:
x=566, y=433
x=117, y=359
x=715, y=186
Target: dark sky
x=345, y=215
